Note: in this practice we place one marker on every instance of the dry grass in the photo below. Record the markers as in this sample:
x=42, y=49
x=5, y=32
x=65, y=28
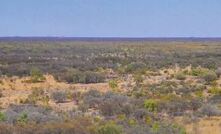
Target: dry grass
x=16, y=89
x=210, y=125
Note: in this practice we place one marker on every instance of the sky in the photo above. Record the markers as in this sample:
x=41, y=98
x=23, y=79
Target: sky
x=111, y=18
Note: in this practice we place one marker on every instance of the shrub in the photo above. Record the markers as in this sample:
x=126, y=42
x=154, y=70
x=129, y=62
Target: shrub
x=1, y=82
x=132, y=122
x=210, y=110
x=1, y=94
x=83, y=107
x=76, y=96
x=215, y=99
x=139, y=129
x=92, y=98
x=93, y=77
x=218, y=72
x=180, y=76
x=140, y=114
x=37, y=95
x=150, y=105
x=2, y=117
x=80, y=125
x=138, y=78
x=36, y=75
x=115, y=104
x=210, y=76
x=199, y=71
x=215, y=90
x=34, y=113
x=166, y=128
x=59, y=96
x=22, y=119
x=195, y=104
x=93, y=93
x=87, y=77
x=134, y=66
x=110, y=128
x=199, y=93
x=113, y=84
x=155, y=127
x=66, y=77
x=76, y=76
x=176, y=107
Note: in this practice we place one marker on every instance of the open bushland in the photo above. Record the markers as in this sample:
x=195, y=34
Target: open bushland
x=110, y=87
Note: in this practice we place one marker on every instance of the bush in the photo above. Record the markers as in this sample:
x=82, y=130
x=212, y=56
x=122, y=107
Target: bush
x=36, y=75
x=210, y=76
x=139, y=130
x=138, y=78
x=177, y=107
x=1, y=94
x=199, y=71
x=215, y=99
x=150, y=105
x=215, y=90
x=115, y=104
x=218, y=72
x=2, y=117
x=156, y=128
x=110, y=128
x=140, y=114
x=76, y=76
x=210, y=110
x=22, y=119
x=37, y=95
x=113, y=84
x=93, y=77
x=195, y=104
x=76, y=96
x=59, y=96
x=180, y=76
x=134, y=66
x=92, y=98
x=77, y=126
x=165, y=128
x=33, y=113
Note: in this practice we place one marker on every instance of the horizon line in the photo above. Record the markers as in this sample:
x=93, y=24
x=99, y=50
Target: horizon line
x=110, y=36
x=116, y=39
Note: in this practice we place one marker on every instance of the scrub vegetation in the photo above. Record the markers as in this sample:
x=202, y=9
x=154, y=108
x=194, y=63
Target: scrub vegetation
x=110, y=87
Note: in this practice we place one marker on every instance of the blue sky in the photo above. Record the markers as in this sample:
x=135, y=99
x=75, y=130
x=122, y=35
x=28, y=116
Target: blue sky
x=111, y=18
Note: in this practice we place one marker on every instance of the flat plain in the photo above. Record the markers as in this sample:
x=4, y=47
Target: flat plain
x=110, y=86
